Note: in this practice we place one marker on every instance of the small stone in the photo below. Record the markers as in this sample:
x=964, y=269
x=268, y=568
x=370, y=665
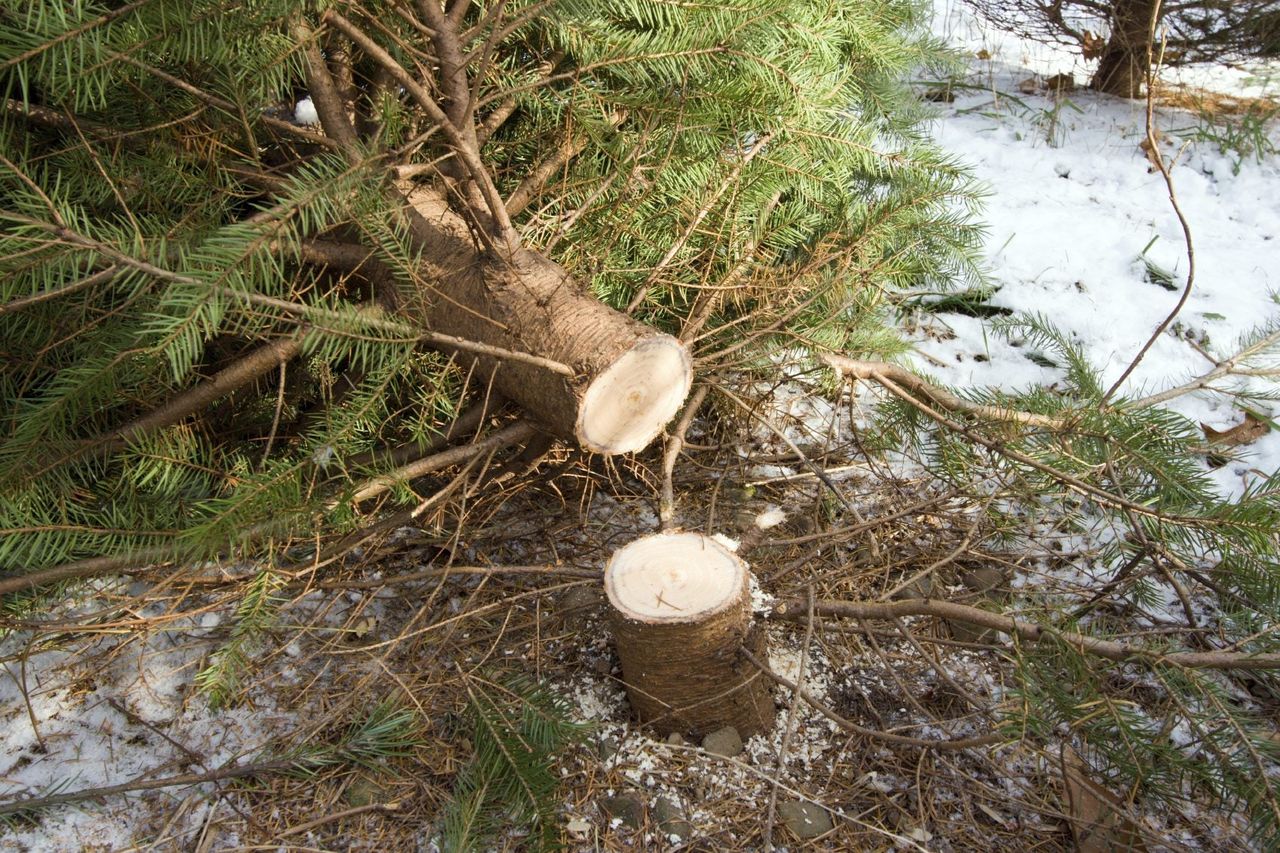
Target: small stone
x=805, y=820
x=676, y=739
x=984, y=581
x=725, y=742
x=919, y=588
x=671, y=819
x=625, y=807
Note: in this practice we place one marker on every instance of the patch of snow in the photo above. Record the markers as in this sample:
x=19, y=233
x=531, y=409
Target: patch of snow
x=304, y=112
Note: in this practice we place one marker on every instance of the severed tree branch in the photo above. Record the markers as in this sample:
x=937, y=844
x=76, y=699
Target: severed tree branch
x=793, y=610
x=513, y=434
x=877, y=371
x=234, y=771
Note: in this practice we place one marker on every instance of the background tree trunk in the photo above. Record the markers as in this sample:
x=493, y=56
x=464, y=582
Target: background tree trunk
x=1122, y=68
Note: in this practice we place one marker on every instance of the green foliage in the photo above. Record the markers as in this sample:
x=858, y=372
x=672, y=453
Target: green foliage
x=518, y=727
x=387, y=732
x=151, y=221
x=1132, y=479
x=254, y=616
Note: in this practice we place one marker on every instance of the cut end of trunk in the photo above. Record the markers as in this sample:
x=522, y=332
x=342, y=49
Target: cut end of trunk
x=674, y=577
x=627, y=405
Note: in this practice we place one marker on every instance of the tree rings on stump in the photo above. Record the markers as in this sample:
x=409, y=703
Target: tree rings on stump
x=680, y=610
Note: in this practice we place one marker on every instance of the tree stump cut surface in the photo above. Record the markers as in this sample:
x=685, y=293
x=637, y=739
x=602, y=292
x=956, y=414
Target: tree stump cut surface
x=680, y=611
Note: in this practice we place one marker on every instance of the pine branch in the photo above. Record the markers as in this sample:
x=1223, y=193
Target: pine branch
x=790, y=609
x=877, y=371
x=505, y=437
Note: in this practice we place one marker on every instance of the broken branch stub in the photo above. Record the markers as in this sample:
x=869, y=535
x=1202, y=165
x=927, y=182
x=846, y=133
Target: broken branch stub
x=680, y=612
x=630, y=379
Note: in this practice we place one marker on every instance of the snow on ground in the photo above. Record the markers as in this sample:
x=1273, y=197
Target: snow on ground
x=1074, y=204
x=71, y=721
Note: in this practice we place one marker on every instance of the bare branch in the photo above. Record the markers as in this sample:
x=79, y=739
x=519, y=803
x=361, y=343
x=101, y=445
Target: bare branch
x=793, y=610
x=850, y=726
x=517, y=432
x=464, y=146
x=542, y=174
x=878, y=370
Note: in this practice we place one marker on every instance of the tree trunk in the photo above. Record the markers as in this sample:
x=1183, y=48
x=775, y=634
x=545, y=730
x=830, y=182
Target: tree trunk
x=680, y=611
x=629, y=379
x=1122, y=68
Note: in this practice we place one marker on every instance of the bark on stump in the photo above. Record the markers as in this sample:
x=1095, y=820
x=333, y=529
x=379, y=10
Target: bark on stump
x=680, y=610
x=630, y=379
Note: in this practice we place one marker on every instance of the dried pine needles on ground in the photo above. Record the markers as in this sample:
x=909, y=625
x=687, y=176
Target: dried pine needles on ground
x=379, y=700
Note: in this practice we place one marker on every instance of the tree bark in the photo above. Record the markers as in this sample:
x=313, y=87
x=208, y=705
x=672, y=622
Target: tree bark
x=681, y=613
x=630, y=379
x=1122, y=68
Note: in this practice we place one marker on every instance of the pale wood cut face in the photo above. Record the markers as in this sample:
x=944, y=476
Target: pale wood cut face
x=674, y=577
x=628, y=404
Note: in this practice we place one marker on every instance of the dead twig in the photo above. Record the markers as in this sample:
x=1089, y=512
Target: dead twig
x=237, y=771
x=877, y=370
x=675, y=443
x=1028, y=632
x=513, y=434
x=791, y=724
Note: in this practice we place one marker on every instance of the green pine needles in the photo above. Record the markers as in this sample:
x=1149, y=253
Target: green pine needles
x=518, y=729
x=193, y=363
x=1165, y=564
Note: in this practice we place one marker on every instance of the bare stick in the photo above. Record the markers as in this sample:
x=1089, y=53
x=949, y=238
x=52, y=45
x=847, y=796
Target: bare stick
x=850, y=726
x=1227, y=367
x=224, y=772
x=345, y=813
x=873, y=370
x=1029, y=632
x=675, y=443
x=791, y=725
x=514, y=434
x=465, y=148
x=1153, y=148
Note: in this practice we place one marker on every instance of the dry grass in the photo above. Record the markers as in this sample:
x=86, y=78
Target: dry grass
x=1213, y=105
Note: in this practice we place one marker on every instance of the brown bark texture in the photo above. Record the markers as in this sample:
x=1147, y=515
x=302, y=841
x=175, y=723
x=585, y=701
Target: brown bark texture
x=1122, y=68
x=522, y=301
x=684, y=672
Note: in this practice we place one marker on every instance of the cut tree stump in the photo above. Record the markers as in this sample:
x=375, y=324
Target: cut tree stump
x=680, y=610
x=629, y=379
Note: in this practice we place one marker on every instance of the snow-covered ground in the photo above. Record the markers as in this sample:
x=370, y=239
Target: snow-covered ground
x=1074, y=203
